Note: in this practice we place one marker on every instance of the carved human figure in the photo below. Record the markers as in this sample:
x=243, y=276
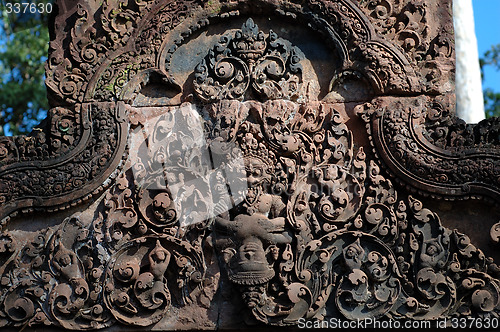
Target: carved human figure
x=150, y=288
x=433, y=253
x=256, y=238
x=159, y=258
x=256, y=232
x=357, y=278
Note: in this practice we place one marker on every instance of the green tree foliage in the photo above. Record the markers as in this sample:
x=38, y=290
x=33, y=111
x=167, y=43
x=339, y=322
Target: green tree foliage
x=491, y=97
x=24, y=41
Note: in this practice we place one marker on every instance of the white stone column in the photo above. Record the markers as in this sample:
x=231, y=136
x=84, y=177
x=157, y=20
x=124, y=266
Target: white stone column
x=469, y=90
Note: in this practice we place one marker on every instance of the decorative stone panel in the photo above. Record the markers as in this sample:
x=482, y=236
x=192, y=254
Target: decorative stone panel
x=222, y=164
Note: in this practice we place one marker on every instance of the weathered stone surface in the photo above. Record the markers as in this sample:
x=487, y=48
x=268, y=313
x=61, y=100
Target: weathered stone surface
x=216, y=165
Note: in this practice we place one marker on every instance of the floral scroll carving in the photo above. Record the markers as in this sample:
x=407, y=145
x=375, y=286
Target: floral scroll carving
x=56, y=160
x=228, y=171
x=430, y=150
x=389, y=256
x=83, y=75
x=266, y=64
x=136, y=288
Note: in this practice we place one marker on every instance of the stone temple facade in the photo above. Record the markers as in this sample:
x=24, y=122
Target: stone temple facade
x=248, y=164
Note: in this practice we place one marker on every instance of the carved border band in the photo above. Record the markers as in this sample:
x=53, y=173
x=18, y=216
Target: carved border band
x=53, y=167
x=431, y=151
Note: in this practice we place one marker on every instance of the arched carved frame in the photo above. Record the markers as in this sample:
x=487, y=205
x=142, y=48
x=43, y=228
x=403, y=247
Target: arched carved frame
x=94, y=69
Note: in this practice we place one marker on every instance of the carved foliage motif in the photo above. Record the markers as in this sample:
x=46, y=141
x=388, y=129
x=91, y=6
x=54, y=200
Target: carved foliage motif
x=384, y=66
x=268, y=64
x=81, y=142
x=304, y=221
x=55, y=137
x=328, y=253
x=142, y=54
x=60, y=157
x=320, y=232
x=31, y=292
x=342, y=23
x=113, y=43
x=427, y=148
x=403, y=21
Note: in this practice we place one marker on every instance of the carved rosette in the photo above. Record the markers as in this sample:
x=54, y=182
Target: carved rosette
x=136, y=287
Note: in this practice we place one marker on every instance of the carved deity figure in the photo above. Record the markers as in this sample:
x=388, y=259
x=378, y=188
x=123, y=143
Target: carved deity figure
x=256, y=232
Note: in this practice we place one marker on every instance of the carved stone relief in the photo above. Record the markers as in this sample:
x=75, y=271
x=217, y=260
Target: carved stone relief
x=230, y=185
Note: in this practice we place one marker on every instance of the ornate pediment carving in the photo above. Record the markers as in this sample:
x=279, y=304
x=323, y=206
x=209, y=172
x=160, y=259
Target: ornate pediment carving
x=257, y=162
x=431, y=151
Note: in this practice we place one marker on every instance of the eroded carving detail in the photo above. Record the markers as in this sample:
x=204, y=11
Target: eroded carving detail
x=61, y=158
x=411, y=25
x=113, y=43
x=388, y=256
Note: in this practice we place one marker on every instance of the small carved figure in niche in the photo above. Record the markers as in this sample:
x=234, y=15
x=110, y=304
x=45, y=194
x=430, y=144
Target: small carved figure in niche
x=353, y=255
x=358, y=292
x=433, y=253
x=66, y=263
